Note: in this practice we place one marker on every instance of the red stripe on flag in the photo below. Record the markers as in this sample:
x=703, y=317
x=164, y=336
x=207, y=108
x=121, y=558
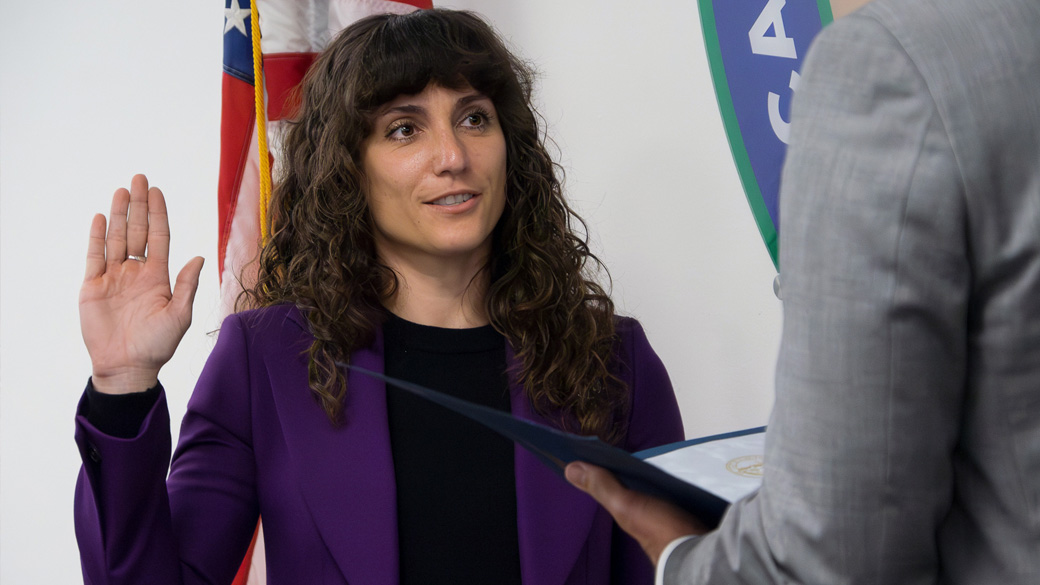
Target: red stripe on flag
x=237, y=116
x=242, y=577
x=283, y=72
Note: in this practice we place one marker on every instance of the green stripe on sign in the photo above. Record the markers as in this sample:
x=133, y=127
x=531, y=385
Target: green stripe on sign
x=732, y=127
x=826, y=14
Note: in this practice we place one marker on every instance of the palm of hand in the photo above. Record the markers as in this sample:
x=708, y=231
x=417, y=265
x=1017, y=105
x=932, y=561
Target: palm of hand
x=130, y=319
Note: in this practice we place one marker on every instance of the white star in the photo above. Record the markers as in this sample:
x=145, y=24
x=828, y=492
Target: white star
x=235, y=17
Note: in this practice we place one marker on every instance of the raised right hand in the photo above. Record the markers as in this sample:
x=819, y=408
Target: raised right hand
x=130, y=319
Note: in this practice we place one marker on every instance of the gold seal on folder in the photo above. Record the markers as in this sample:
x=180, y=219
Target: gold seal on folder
x=746, y=466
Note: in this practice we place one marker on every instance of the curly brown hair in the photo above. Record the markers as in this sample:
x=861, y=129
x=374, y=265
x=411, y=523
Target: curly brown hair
x=321, y=255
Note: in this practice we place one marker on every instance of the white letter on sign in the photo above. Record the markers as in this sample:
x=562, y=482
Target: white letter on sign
x=778, y=45
x=780, y=128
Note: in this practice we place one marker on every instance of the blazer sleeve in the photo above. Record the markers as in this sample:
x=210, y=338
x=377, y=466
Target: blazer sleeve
x=133, y=524
x=654, y=420
x=870, y=377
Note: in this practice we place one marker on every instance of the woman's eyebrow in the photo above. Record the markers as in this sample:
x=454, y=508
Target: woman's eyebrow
x=401, y=109
x=473, y=97
x=411, y=108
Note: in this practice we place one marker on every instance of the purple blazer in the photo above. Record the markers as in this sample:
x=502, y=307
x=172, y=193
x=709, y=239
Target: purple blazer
x=254, y=442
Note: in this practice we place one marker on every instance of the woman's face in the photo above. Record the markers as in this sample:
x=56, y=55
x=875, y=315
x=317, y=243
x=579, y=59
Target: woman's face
x=435, y=165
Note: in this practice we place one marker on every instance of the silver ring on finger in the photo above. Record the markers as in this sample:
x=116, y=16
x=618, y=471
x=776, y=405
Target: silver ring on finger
x=138, y=258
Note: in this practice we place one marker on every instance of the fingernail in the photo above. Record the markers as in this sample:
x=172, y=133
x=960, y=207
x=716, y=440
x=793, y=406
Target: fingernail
x=576, y=474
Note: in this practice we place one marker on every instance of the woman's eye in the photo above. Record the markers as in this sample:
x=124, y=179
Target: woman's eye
x=476, y=119
x=401, y=131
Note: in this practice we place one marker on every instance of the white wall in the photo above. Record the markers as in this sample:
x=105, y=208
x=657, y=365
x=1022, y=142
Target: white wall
x=93, y=92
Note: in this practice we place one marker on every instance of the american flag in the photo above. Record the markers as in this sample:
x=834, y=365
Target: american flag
x=292, y=33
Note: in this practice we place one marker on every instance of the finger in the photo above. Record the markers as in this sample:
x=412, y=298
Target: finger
x=186, y=285
x=605, y=489
x=137, y=222
x=622, y=503
x=652, y=522
x=598, y=483
x=96, y=248
x=158, y=228
x=115, y=244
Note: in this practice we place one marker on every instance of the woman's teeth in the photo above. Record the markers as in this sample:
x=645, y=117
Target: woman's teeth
x=454, y=199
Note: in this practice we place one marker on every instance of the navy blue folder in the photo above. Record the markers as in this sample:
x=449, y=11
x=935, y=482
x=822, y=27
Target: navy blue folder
x=557, y=448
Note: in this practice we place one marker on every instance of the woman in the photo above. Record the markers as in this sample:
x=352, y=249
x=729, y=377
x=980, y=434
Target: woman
x=418, y=229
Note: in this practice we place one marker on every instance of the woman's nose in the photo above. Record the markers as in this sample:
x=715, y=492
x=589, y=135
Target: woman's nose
x=450, y=155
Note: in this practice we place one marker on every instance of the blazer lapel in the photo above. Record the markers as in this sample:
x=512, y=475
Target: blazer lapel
x=346, y=473
x=549, y=547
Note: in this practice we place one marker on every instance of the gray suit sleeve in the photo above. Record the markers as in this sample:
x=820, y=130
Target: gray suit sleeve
x=875, y=277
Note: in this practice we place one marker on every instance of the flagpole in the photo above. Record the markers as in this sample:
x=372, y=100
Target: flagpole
x=261, y=120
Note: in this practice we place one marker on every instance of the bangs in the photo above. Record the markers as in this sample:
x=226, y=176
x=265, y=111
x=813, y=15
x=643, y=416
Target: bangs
x=410, y=51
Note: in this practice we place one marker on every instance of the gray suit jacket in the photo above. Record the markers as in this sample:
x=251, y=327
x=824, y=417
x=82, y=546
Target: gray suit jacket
x=904, y=445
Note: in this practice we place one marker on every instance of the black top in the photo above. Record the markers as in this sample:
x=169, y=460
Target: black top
x=456, y=489
x=119, y=415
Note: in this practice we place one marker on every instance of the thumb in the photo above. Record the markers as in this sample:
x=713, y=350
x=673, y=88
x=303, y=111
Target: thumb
x=186, y=285
x=598, y=483
x=652, y=522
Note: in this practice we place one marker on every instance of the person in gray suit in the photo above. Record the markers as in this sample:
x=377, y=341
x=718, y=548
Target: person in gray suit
x=904, y=443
